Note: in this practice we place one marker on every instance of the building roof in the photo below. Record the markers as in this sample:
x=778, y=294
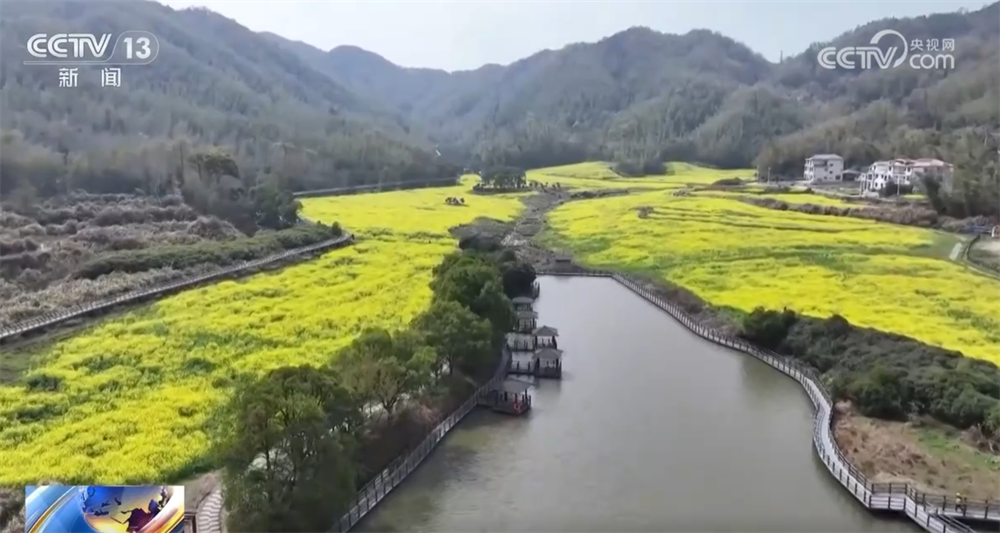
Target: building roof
x=527, y=314
x=549, y=354
x=521, y=300
x=513, y=386
x=546, y=331
x=930, y=162
x=825, y=156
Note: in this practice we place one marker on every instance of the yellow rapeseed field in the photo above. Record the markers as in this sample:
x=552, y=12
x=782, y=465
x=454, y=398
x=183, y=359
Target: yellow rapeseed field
x=816, y=199
x=598, y=175
x=136, y=389
x=733, y=254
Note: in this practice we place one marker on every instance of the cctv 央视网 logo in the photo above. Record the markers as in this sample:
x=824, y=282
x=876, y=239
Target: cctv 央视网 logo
x=866, y=57
x=69, y=46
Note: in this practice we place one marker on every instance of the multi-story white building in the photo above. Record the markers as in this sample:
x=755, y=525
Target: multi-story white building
x=882, y=173
x=906, y=172
x=824, y=167
x=943, y=172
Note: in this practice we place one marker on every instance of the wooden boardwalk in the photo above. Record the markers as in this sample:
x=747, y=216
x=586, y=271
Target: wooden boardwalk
x=932, y=512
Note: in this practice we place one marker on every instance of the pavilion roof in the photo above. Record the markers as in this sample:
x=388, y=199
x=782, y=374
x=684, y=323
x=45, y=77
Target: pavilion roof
x=546, y=331
x=522, y=300
x=514, y=386
x=527, y=314
x=549, y=354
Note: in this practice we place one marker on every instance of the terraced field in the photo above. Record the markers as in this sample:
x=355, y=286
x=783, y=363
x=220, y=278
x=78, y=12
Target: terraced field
x=733, y=254
x=126, y=400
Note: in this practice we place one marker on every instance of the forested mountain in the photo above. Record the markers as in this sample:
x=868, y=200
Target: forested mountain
x=641, y=95
x=215, y=87
x=313, y=119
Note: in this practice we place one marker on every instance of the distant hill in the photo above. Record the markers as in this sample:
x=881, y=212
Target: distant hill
x=214, y=84
x=639, y=92
x=349, y=116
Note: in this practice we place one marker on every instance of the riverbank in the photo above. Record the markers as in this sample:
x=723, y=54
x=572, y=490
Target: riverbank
x=923, y=453
x=938, y=458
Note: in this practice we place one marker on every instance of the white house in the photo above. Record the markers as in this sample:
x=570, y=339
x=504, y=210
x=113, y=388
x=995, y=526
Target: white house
x=824, y=167
x=881, y=173
x=943, y=172
x=905, y=172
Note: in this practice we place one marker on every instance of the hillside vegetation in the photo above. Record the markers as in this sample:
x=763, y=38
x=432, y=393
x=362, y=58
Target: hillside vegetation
x=72, y=246
x=641, y=96
x=214, y=85
x=314, y=119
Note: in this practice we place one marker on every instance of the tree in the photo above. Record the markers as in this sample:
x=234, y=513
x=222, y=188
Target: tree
x=766, y=327
x=286, y=452
x=475, y=283
x=274, y=207
x=383, y=368
x=503, y=177
x=518, y=278
x=461, y=338
x=881, y=393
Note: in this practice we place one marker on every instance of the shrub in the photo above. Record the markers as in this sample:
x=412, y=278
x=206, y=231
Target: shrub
x=638, y=169
x=885, y=375
x=767, y=328
x=17, y=246
x=180, y=256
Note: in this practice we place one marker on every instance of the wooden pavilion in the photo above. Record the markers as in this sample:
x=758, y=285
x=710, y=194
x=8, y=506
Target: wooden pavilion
x=522, y=303
x=527, y=321
x=510, y=396
x=545, y=336
x=548, y=363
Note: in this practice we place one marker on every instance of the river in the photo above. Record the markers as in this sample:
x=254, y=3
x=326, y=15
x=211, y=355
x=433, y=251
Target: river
x=650, y=429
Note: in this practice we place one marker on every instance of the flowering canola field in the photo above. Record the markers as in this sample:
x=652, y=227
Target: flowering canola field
x=815, y=199
x=737, y=255
x=598, y=175
x=125, y=401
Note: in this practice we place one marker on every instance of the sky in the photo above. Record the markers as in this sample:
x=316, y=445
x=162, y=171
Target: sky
x=465, y=35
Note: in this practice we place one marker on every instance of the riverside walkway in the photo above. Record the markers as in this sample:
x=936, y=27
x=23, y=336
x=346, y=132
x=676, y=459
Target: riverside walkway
x=934, y=513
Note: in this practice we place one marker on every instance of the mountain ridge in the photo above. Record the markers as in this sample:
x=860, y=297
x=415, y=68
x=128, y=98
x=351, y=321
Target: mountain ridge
x=700, y=96
x=635, y=96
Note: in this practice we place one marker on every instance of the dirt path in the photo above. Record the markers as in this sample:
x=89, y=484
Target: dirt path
x=956, y=251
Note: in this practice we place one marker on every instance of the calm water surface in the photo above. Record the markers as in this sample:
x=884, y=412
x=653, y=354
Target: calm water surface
x=651, y=429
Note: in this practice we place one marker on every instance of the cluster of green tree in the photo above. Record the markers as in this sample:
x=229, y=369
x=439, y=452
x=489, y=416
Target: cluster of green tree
x=502, y=178
x=885, y=375
x=638, y=169
x=181, y=256
x=975, y=153
x=215, y=86
x=296, y=443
